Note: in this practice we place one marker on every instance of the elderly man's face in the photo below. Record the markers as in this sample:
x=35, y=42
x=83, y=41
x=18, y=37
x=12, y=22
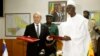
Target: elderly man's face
x=37, y=18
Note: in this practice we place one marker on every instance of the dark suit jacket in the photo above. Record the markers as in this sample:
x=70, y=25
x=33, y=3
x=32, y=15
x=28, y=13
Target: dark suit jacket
x=33, y=49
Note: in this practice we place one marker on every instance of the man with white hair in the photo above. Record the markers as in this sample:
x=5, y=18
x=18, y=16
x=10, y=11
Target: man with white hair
x=75, y=33
x=39, y=31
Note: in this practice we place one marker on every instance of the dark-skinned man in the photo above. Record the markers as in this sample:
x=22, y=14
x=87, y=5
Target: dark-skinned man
x=75, y=33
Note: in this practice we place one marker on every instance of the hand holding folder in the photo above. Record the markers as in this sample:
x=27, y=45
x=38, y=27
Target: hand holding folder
x=56, y=37
x=28, y=39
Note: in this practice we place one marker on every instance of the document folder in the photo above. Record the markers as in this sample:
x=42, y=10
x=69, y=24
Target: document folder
x=28, y=39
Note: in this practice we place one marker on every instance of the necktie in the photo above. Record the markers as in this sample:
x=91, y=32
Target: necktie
x=37, y=33
x=38, y=30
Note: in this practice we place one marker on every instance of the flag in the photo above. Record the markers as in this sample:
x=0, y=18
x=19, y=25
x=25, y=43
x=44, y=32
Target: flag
x=89, y=47
x=5, y=52
x=90, y=51
x=51, y=8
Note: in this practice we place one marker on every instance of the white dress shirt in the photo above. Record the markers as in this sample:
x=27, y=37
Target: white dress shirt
x=39, y=27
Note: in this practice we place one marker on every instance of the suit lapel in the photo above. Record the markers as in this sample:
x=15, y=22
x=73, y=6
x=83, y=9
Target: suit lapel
x=41, y=31
x=35, y=30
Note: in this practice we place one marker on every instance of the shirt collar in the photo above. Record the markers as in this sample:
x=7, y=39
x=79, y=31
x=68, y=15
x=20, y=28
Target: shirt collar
x=37, y=24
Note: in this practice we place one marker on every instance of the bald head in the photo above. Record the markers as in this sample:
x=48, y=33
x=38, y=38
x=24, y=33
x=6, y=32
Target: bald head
x=37, y=17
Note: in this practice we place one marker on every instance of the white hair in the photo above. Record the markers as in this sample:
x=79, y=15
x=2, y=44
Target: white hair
x=37, y=13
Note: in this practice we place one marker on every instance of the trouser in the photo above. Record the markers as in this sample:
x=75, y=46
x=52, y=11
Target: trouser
x=98, y=47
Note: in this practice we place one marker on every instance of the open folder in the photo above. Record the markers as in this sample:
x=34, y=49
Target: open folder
x=28, y=39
